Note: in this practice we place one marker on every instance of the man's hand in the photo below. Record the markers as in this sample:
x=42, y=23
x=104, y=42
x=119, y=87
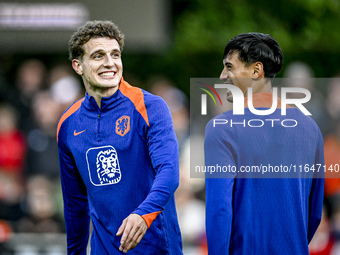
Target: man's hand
x=133, y=229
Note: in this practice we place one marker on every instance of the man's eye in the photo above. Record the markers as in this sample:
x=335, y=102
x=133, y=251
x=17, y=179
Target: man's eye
x=97, y=56
x=116, y=55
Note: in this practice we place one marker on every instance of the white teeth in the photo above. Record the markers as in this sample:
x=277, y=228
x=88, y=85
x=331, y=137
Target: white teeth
x=107, y=75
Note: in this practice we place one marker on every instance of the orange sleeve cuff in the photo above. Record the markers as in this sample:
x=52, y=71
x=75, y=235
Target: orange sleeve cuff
x=149, y=218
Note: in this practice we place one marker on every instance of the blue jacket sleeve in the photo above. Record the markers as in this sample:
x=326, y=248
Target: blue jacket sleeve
x=163, y=151
x=75, y=202
x=317, y=192
x=219, y=190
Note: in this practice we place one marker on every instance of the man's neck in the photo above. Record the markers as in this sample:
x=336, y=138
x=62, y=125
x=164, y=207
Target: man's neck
x=262, y=86
x=99, y=93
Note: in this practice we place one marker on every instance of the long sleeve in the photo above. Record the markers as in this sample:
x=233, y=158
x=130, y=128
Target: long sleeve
x=163, y=151
x=317, y=192
x=219, y=191
x=75, y=203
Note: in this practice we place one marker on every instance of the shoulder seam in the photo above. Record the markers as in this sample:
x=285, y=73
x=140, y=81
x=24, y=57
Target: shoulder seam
x=136, y=96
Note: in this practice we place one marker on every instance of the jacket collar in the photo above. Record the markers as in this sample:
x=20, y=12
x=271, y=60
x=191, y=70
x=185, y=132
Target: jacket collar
x=107, y=103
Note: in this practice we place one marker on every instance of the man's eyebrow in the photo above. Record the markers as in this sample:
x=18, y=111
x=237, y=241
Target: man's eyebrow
x=227, y=63
x=95, y=52
x=101, y=50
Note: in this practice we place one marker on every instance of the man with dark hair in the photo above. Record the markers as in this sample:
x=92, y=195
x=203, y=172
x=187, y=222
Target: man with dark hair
x=253, y=47
x=118, y=156
x=247, y=213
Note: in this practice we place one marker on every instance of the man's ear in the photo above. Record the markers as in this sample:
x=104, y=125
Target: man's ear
x=258, y=70
x=76, y=64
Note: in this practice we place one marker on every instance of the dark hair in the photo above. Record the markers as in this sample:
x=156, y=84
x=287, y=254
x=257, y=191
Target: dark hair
x=253, y=47
x=93, y=29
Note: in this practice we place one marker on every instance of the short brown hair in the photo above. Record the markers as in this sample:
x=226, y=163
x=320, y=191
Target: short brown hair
x=93, y=29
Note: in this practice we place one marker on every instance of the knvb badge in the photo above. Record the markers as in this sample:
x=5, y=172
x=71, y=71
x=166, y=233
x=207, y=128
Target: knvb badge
x=103, y=165
x=123, y=125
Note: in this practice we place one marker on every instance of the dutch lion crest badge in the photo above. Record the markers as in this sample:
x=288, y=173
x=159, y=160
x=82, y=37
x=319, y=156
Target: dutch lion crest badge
x=123, y=125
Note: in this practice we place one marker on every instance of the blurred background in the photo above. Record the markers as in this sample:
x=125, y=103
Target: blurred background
x=167, y=43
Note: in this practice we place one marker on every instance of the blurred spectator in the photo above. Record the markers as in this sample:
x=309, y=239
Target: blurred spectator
x=300, y=75
x=191, y=217
x=333, y=102
x=335, y=221
x=46, y=109
x=40, y=208
x=12, y=156
x=42, y=155
x=30, y=80
x=323, y=242
x=190, y=205
x=65, y=87
x=332, y=161
x=31, y=76
x=177, y=102
x=12, y=143
x=5, y=235
x=11, y=191
x=197, y=184
x=7, y=93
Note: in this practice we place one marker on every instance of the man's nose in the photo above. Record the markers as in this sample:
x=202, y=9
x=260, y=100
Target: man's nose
x=224, y=75
x=108, y=61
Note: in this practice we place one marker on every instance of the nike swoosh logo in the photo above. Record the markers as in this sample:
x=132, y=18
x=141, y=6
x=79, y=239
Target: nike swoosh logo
x=75, y=133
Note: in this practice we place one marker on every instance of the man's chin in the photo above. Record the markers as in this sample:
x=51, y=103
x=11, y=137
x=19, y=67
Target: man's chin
x=111, y=84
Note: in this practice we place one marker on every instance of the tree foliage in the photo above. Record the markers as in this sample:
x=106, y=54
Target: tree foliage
x=297, y=25
x=307, y=31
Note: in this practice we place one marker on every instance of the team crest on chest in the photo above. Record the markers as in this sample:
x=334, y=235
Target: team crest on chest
x=103, y=165
x=123, y=125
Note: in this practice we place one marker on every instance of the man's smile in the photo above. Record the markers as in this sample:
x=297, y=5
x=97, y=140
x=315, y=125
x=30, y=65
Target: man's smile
x=109, y=74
